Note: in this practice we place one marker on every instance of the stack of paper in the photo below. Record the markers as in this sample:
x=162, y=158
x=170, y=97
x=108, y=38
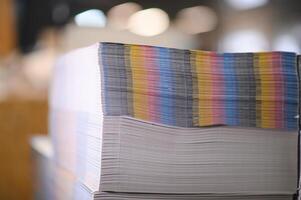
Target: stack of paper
x=42, y=153
x=141, y=122
x=199, y=88
x=55, y=182
x=141, y=157
x=51, y=181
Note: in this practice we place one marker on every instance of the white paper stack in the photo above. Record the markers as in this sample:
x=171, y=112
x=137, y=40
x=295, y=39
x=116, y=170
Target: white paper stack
x=55, y=182
x=148, y=158
x=51, y=181
x=121, y=157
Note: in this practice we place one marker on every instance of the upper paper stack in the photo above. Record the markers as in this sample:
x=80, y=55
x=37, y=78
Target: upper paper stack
x=144, y=122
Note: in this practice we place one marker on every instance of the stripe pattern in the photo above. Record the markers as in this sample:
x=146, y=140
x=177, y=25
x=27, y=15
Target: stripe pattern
x=191, y=88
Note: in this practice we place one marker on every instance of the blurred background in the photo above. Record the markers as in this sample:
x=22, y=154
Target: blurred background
x=33, y=33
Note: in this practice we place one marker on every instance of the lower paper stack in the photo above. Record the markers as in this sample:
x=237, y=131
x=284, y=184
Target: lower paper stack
x=55, y=182
x=101, y=156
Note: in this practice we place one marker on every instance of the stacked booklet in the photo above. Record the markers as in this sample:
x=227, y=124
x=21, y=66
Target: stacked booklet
x=142, y=122
x=198, y=88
